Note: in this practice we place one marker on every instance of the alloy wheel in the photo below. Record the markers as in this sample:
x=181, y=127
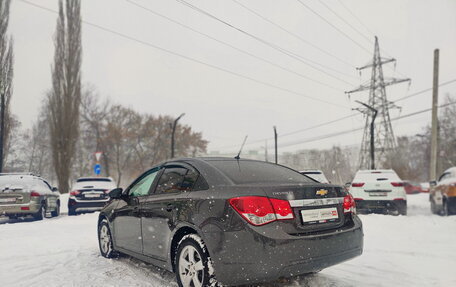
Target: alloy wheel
x=191, y=267
x=105, y=239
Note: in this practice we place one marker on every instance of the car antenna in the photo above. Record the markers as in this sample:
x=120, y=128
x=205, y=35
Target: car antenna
x=242, y=146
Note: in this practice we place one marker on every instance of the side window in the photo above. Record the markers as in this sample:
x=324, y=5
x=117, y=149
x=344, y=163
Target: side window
x=176, y=179
x=142, y=187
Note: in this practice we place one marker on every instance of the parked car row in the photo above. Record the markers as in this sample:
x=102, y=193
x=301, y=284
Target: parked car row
x=211, y=220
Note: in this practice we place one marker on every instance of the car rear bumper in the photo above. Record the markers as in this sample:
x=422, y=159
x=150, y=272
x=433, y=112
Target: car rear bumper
x=247, y=256
x=381, y=206
x=86, y=205
x=19, y=209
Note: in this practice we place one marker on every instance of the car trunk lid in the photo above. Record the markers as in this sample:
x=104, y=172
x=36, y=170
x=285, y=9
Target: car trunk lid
x=14, y=195
x=315, y=206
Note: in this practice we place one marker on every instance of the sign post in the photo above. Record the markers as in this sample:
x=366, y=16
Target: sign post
x=97, y=166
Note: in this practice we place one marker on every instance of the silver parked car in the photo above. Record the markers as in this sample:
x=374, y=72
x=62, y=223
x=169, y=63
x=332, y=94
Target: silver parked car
x=27, y=194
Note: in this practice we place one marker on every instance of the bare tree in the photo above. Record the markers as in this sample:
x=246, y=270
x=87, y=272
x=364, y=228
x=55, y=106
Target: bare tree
x=65, y=96
x=6, y=82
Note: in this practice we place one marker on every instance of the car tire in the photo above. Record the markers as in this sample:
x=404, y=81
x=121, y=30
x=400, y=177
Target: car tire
x=192, y=263
x=445, y=211
x=105, y=240
x=433, y=207
x=56, y=212
x=41, y=214
x=71, y=211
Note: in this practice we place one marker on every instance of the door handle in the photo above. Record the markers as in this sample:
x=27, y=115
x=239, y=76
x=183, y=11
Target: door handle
x=169, y=207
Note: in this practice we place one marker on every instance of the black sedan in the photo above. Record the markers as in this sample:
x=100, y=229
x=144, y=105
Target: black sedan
x=230, y=221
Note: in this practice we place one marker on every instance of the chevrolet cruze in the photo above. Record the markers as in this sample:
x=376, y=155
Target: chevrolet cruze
x=230, y=221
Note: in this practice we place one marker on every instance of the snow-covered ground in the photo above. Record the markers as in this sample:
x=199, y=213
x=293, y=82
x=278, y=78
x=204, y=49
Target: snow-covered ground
x=414, y=250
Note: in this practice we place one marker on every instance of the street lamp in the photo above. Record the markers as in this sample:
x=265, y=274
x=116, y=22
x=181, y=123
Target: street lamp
x=172, y=134
x=372, y=127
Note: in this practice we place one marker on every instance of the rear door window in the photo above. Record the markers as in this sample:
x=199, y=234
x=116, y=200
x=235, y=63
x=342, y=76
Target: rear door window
x=178, y=179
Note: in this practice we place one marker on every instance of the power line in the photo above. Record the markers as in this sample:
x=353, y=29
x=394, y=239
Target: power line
x=354, y=16
x=345, y=21
x=292, y=33
x=362, y=24
x=360, y=128
x=269, y=44
x=125, y=36
x=334, y=26
x=345, y=117
x=425, y=90
x=229, y=45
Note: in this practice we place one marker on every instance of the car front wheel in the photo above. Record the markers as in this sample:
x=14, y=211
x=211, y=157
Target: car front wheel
x=192, y=263
x=105, y=240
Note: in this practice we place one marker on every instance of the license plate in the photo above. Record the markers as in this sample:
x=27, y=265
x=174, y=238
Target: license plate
x=320, y=215
x=92, y=195
x=377, y=194
x=7, y=199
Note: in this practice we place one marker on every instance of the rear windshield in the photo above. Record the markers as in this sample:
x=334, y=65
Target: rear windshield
x=376, y=176
x=243, y=172
x=17, y=182
x=97, y=183
x=93, y=179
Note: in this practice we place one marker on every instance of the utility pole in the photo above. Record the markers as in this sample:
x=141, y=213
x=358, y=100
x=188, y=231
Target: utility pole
x=372, y=132
x=384, y=139
x=2, y=124
x=172, y=134
x=266, y=151
x=275, y=142
x=435, y=128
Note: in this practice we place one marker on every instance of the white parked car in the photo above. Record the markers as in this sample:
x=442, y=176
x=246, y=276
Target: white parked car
x=89, y=194
x=379, y=191
x=315, y=174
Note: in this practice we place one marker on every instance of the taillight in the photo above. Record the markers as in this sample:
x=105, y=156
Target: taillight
x=258, y=210
x=34, y=194
x=399, y=199
x=357, y=184
x=282, y=208
x=349, y=204
x=25, y=208
x=75, y=192
x=397, y=184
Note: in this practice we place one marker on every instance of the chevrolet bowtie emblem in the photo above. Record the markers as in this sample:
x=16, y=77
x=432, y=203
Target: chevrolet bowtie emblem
x=321, y=192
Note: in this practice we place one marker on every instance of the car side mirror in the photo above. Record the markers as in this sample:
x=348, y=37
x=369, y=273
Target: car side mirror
x=432, y=183
x=55, y=189
x=116, y=193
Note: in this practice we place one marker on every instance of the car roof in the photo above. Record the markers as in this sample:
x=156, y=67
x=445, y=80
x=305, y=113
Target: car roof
x=451, y=170
x=21, y=175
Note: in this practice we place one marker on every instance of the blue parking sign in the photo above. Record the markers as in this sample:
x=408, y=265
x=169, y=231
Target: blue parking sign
x=97, y=169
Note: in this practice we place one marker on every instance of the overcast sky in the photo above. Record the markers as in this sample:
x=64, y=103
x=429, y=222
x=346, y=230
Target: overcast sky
x=246, y=95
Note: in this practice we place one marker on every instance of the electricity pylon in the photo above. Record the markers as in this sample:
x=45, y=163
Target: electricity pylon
x=384, y=140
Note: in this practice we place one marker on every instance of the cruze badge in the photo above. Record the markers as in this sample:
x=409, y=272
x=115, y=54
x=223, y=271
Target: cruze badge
x=321, y=192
